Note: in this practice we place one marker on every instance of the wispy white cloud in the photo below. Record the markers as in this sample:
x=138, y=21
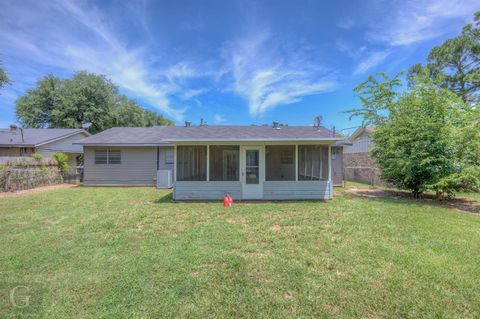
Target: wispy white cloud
x=80, y=37
x=373, y=60
x=414, y=21
x=266, y=79
x=218, y=119
x=350, y=50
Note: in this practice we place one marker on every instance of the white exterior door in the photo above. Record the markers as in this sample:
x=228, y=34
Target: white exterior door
x=252, y=172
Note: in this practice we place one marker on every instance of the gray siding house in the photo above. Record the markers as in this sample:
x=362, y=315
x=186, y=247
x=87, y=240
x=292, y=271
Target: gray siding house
x=359, y=164
x=250, y=162
x=15, y=141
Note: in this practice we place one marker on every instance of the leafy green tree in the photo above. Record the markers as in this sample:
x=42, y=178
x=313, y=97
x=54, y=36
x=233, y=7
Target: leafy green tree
x=421, y=135
x=84, y=98
x=455, y=64
x=3, y=77
x=377, y=94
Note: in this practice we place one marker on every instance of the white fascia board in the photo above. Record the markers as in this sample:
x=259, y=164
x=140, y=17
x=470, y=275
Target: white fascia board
x=125, y=144
x=325, y=139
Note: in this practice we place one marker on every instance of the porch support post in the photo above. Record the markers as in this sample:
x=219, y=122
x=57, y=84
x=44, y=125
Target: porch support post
x=174, y=163
x=208, y=162
x=329, y=162
x=296, y=162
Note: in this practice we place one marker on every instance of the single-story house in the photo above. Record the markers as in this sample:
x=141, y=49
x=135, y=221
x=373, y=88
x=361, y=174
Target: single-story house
x=16, y=141
x=359, y=165
x=250, y=162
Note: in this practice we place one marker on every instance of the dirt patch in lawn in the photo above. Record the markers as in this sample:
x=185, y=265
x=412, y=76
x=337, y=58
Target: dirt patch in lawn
x=276, y=228
x=460, y=204
x=36, y=190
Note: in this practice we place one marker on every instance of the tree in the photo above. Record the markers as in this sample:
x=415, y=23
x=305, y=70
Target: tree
x=421, y=135
x=455, y=64
x=84, y=98
x=377, y=95
x=3, y=77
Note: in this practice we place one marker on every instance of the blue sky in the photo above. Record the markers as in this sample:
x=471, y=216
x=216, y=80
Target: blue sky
x=229, y=62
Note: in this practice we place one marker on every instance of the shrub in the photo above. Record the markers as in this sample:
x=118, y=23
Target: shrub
x=62, y=160
x=37, y=156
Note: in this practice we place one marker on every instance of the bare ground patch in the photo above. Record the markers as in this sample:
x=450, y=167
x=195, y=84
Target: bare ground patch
x=459, y=204
x=36, y=190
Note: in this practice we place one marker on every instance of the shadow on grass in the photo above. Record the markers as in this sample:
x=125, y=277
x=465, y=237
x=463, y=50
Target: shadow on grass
x=459, y=204
x=165, y=199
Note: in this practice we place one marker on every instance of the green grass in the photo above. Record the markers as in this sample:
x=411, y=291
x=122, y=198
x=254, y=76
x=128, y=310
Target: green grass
x=472, y=196
x=131, y=252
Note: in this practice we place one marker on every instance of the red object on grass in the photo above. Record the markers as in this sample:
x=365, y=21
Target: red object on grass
x=227, y=201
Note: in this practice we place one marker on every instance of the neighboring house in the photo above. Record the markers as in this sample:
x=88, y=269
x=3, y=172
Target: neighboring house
x=250, y=162
x=358, y=162
x=16, y=141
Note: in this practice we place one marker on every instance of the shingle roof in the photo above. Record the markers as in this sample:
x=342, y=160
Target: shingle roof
x=159, y=135
x=31, y=137
x=359, y=131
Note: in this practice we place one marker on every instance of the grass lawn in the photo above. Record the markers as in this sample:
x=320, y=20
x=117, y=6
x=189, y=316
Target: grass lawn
x=131, y=252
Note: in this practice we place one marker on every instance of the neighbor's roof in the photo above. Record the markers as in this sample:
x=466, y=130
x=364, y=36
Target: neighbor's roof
x=359, y=131
x=163, y=135
x=33, y=137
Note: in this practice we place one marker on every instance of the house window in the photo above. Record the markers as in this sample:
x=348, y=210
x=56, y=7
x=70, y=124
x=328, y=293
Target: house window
x=280, y=162
x=191, y=163
x=312, y=162
x=169, y=156
x=224, y=162
x=108, y=157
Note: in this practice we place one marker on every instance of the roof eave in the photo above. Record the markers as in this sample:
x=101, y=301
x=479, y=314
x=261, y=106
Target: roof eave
x=323, y=139
x=17, y=145
x=123, y=144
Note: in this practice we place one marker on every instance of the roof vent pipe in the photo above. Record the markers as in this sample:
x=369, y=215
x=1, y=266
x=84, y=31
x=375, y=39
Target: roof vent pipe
x=188, y=124
x=333, y=131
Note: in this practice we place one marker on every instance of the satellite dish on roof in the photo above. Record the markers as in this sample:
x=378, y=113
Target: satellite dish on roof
x=317, y=121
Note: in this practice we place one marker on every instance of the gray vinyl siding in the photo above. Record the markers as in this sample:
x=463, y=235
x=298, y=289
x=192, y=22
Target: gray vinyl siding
x=64, y=145
x=281, y=190
x=138, y=167
x=206, y=190
x=162, y=158
x=363, y=144
x=273, y=190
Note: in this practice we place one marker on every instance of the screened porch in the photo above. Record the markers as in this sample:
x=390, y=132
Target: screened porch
x=282, y=163
x=290, y=171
